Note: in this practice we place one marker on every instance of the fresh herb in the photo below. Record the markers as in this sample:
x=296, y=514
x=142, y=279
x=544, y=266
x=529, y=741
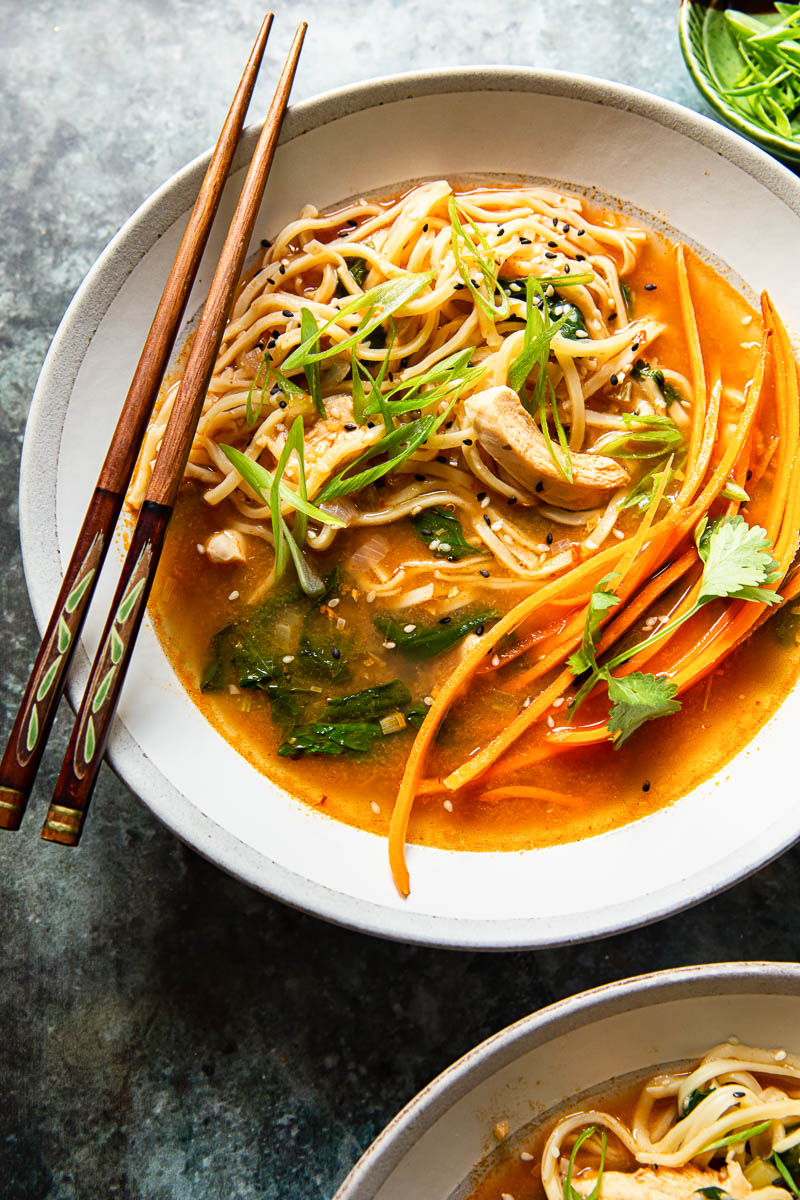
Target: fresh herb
x=642, y=494
x=358, y=269
x=767, y=89
x=376, y=402
x=643, y=370
x=260, y=480
x=426, y=641
x=696, y=1097
x=601, y=601
x=265, y=377
x=713, y=1193
x=539, y=333
x=308, y=330
x=380, y=302
x=637, y=698
x=368, y=704
x=442, y=533
x=450, y=374
x=646, y=437
x=495, y=305
x=783, y=1167
x=405, y=439
x=733, y=1139
x=570, y=1193
x=323, y=737
x=737, y=566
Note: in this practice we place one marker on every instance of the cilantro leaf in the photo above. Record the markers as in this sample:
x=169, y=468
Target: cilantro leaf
x=737, y=562
x=601, y=601
x=637, y=698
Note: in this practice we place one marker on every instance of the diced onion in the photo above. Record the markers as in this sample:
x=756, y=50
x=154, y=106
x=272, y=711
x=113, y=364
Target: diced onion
x=343, y=508
x=372, y=551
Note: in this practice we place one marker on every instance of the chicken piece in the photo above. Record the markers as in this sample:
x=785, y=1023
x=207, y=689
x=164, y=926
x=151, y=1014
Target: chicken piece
x=663, y=1183
x=226, y=547
x=330, y=445
x=514, y=440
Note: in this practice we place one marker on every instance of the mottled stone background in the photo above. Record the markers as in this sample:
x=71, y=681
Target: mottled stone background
x=164, y=1032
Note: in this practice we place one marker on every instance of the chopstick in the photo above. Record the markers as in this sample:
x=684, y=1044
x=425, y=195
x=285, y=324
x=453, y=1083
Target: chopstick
x=23, y=752
x=81, y=764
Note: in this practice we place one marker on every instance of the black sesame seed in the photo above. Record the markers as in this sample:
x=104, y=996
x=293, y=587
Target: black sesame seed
x=370, y=424
x=273, y=391
x=635, y=347
x=440, y=458
x=467, y=442
x=553, y=245
x=336, y=652
x=549, y=254
x=539, y=486
x=581, y=232
x=649, y=287
x=566, y=268
x=350, y=426
x=524, y=241
x=484, y=573
x=282, y=404
x=445, y=620
x=266, y=243
x=287, y=312
x=420, y=478
x=260, y=346
x=452, y=558
x=488, y=520
x=580, y=258
x=425, y=227
x=614, y=380
x=458, y=287
x=612, y=316
x=282, y=269
x=511, y=500
x=448, y=424
x=271, y=343
x=481, y=495
x=500, y=232
x=565, y=227
x=646, y=785
x=549, y=539
x=426, y=532
x=380, y=483
x=555, y=222
x=480, y=628
x=749, y=476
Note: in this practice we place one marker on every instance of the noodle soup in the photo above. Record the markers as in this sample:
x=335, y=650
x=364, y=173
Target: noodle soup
x=532, y=471
x=726, y=1126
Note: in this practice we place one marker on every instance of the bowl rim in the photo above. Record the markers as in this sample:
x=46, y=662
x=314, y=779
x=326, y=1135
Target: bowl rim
x=499, y=1050
x=694, y=64
x=42, y=559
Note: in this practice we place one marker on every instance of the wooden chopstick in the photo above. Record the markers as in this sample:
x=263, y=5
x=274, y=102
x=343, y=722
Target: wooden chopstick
x=23, y=752
x=82, y=760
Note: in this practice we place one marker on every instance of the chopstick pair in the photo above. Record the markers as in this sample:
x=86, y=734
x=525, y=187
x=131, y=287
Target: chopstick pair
x=81, y=763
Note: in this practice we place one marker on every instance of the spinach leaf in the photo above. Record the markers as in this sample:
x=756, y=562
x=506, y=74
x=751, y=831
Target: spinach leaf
x=287, y=702
x=442, y=533
x=557, y=307
x=417, y=714
x=694, y=1099
x=371, y=702
x=322, y=659
x=323, y=737
x=358, y=269
x=643, y=370
x=426, y=641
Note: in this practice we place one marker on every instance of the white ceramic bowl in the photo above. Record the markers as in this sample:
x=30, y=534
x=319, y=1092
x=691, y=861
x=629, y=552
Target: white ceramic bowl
x=430, y=1149
x=728, y=198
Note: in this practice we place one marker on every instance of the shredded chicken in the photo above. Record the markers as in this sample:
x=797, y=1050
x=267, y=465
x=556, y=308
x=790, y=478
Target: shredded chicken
x=226, y=546
x=513, y=439
x=663, y=1183
x=330, y=445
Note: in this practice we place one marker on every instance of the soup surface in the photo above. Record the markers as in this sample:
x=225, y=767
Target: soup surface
x=325, y=691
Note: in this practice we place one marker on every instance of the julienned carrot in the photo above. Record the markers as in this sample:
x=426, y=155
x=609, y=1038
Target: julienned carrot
x=698, y=376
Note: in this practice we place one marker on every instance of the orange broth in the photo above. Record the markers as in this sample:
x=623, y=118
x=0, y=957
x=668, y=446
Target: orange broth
x=603, y=788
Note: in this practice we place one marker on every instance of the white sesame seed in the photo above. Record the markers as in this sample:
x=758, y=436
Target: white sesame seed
x=434, y=544
x=288, y=658
x=389, y=645
x=201, y=548
x=409, y=628
x=551, y=723
x=590, y=545
x=445, y=547
x=495, y=660
x=526, y=702
x=234, y=595
x=376, y=808
x=559, y=700
x=486, y=501
x=506, y=1196
x=498, y=524
x=618, y=534
x=333, y=603
x=780, y=1055
x=447, y=805
x=428, y=700
x=556, y=1153
x=370, y=597
x=526, y=1157
x=581, y=333
x=747, y=320
x=416, y=510
x=733, y=1039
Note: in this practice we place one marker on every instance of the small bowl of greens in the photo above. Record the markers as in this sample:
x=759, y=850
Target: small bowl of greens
x=747, y=65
